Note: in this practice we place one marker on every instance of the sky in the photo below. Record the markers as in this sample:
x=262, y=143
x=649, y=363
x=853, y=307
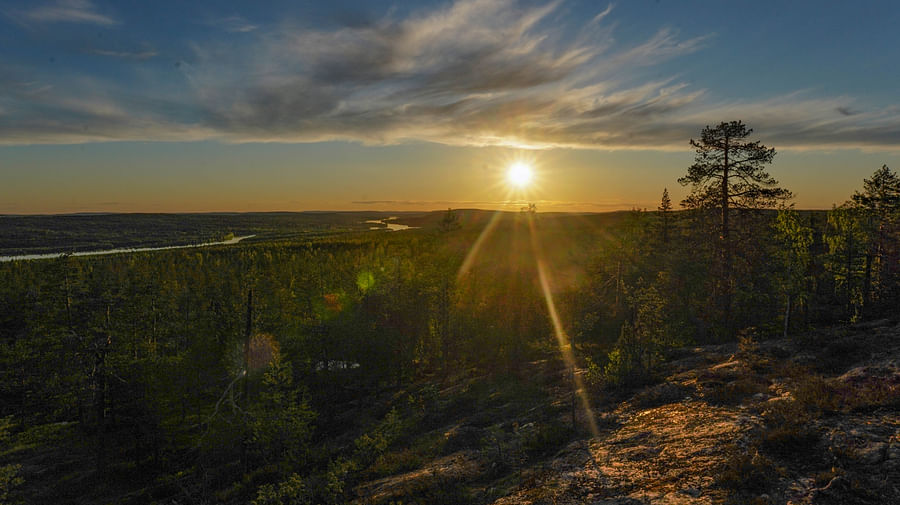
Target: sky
x=175, y=106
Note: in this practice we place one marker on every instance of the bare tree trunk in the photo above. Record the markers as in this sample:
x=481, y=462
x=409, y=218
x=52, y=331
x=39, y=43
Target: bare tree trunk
x=100, y=387
x=246, y=402
x=726, y=248
x=867, y=281
x=574, y=395
x=247, y=334
x=849, y=274
x=445, y=325
x=787, y=315
x=618, y=282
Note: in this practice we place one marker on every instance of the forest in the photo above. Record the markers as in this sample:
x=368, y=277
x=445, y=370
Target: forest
x=297, y=369
x=68, y=233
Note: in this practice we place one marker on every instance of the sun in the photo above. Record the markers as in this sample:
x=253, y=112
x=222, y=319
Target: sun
x=519, y=174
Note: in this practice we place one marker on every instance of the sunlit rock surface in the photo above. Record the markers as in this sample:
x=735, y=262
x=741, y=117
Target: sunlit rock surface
x=684, y=440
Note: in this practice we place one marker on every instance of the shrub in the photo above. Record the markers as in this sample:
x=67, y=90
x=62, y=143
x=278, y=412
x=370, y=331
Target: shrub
x=788, y=440
x=336, y=480
x=735, y=391
x=661, y=394
x=282, y=419
x=289, y=492
x=371, y=445
x=839, y=354
x=9, y=481
x=749, y=352
x=815, y=394
x=395, y=462
x=546, y=438
x=437, y=489
x=746, y=470
x=787, y=431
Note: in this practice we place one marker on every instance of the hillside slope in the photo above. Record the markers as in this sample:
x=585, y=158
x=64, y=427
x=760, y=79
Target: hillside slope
x=806, y=421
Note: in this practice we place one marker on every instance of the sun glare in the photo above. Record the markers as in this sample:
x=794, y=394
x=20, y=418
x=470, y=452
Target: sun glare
x=519, y=174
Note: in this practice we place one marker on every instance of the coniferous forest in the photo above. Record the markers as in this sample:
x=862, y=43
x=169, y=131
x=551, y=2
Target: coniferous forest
x=453, y=361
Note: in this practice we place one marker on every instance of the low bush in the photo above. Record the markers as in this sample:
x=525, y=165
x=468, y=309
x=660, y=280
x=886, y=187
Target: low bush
x=746, y=470
x=787, y=431
x=735, y=391
x=547, y=438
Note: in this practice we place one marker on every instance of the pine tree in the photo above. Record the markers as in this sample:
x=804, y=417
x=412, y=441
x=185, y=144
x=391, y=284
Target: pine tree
x=728, y=173
x=880, y=204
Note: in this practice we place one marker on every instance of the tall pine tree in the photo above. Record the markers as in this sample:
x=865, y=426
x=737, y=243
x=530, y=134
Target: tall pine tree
x=728, y=173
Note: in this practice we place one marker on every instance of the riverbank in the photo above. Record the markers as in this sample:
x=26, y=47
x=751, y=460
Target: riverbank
x=29, y=257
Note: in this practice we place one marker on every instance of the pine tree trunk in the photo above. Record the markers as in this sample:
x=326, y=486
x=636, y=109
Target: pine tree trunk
x=726, y=248
x=849, y=275
x=867, y=282
x=247, y=334
x=787, y=315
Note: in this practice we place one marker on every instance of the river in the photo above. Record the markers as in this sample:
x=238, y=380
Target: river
x=234, y=240
x=390, y=226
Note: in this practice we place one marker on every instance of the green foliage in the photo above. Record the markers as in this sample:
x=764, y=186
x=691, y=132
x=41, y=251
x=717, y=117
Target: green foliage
x=289, y=492
x=729, y=171
x=794, y=239
x=9, y=482
x=845, y=260
x=336, y=480
x=619, y=368
x=424, y=401
x=879, y=203
x=10, y=479
x=373, y=444
x=594, y=376
x=7, y=424
x=282, y=419
x=391, y=463
x=880, y=194
x=642, y=342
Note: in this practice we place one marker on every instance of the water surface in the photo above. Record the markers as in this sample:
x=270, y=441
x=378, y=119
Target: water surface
x=23, y=257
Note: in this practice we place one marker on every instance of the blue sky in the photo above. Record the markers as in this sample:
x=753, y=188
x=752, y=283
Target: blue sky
x=177, y=106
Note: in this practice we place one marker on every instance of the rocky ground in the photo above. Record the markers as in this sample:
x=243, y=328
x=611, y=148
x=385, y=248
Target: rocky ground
x=812, y=420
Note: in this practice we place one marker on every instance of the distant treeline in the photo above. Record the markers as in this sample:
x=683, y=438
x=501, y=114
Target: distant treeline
x=38, y=234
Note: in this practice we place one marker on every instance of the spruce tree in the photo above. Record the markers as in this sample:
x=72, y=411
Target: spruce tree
x=665, y=214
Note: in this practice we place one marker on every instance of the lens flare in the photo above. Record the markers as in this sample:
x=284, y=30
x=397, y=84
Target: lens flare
x=562, y=339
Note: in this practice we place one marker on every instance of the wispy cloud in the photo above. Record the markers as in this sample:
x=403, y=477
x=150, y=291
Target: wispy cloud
x=475, y=72
x=85, y=109
x=140, y=55
x=67, y=11
x=605, y=12
x=478, y=72
x=233, y=24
